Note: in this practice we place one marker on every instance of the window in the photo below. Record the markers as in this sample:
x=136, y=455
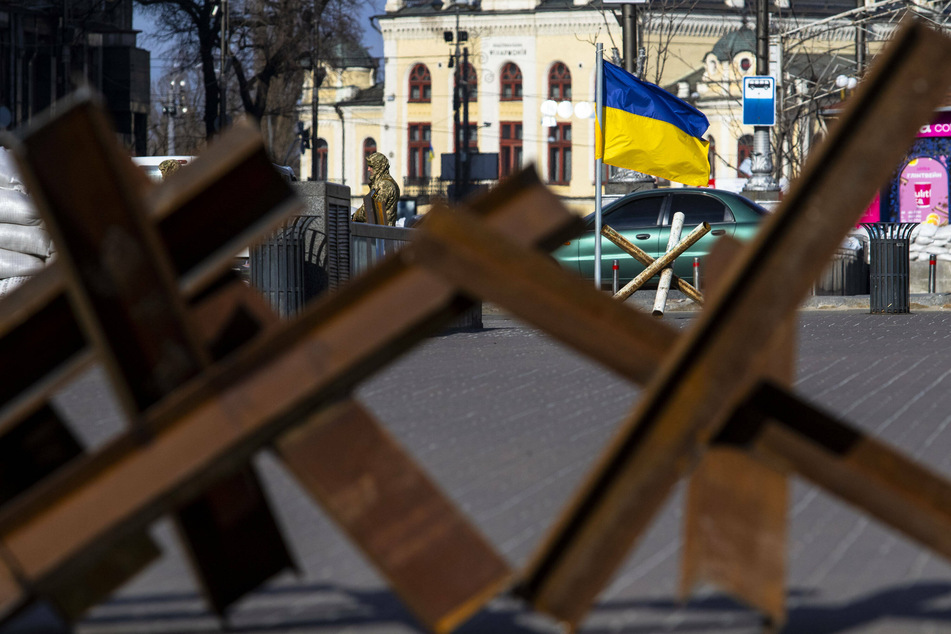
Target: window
x=559, y=82
x=698, y=208
x=420, y=84
x=511, y=83
x=712, y=157
x=559, y=154
x=420, y=138
x=320, y=155
x=466, y=75
x=510, y=148
x=369, y=147
x=744, y=152
x=641, y=212
x=473, y=138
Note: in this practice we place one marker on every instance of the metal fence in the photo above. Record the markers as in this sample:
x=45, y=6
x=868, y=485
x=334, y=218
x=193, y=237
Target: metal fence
x=369, y=244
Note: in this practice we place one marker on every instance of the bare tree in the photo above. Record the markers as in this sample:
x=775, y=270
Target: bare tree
x=269, y=44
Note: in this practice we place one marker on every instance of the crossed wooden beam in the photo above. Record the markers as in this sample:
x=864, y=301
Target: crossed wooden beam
x=208, y=377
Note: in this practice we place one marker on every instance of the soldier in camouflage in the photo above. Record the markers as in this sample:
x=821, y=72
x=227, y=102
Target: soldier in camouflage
x=168, y=167
x=383, y=188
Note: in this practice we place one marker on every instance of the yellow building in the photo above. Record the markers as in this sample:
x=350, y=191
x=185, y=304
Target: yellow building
x=522, y=54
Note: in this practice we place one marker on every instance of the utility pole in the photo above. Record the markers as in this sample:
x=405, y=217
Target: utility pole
x=761, y=180
x=621, y=180
x=860, y=42
x=456, y=93
x=222, y=78
x=174, y=107
x=465, y=123
x=314, y=94
x=629, y=35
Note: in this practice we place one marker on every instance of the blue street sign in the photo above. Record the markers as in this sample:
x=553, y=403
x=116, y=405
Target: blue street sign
x=759, y=100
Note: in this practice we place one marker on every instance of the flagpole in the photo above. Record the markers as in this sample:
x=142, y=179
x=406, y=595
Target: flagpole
x=599, y=167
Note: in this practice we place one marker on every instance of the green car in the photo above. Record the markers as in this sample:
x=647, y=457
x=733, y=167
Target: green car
x=644, y=218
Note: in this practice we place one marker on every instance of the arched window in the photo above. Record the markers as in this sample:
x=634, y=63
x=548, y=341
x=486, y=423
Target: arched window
x=369, y=147
x=420, y=84
x=559, y=82
x=469, y=78
x=744, y=153
x=320, y=155
x=511, y=83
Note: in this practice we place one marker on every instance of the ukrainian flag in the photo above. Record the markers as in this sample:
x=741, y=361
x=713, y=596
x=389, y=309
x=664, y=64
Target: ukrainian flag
x=648, y=130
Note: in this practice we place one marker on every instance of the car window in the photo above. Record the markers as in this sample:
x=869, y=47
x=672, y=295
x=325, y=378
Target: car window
x=640, y=212
x=698, y=208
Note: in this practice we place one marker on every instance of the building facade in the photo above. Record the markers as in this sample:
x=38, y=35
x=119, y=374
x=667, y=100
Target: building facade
x=529, y=66
x=48, y=49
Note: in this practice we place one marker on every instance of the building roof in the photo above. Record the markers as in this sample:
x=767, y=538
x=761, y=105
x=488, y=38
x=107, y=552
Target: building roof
x=734, y=42
x=350, y=54
x=796, y=8
x=372, y=96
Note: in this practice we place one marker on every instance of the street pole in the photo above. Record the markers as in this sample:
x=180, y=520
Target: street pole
x=860, y=42
x=314, y=94
x=222, y=80
x=629, y=35
x=761, y=178
x=465, y=123
x=170, y=111
x=457, y=159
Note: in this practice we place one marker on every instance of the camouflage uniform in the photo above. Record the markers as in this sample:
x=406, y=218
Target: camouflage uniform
x=168, y=167
x=383, y=189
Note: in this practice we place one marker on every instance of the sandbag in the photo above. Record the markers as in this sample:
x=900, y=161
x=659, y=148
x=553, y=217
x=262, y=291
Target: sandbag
x=9, y=171
x=14, y=264
x=17, y=208
x=10, y=283
x=24, y=239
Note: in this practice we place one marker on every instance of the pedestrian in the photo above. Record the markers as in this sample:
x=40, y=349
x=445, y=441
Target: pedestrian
x=384, y=192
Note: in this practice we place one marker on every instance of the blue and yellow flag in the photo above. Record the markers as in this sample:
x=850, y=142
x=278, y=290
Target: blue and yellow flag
x=648, y=130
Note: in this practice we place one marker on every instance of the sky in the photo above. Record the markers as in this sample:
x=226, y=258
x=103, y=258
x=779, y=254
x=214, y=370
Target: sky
x=372, y=39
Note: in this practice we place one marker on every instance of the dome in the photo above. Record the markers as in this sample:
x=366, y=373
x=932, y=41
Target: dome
x=727, y=47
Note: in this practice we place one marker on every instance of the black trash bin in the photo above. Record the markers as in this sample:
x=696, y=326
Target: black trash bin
x=889, y=280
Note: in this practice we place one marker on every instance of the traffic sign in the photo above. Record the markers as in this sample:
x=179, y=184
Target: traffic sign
x=759, y=100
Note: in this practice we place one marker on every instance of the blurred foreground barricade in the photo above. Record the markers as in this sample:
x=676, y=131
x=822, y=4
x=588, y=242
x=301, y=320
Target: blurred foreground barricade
x=208, y=376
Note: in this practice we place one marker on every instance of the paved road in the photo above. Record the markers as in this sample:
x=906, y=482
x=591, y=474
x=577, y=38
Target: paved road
x=508, y=422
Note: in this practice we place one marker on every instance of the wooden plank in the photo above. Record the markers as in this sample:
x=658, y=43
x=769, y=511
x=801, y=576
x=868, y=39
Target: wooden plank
x=735, y=513
x=75, y=591
x=39, y=311
x=121, y=282
x=218, y=422
x=462, y=250
x=790, y=434
x=39, y=336
x=441, y=566
x=232, y=538
x=125, y=288
x=32, y=449
x=710, y=371
x=641, y=256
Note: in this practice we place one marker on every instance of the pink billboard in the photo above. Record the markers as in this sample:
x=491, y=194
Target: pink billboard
x=940, y=127
x=923, y=192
